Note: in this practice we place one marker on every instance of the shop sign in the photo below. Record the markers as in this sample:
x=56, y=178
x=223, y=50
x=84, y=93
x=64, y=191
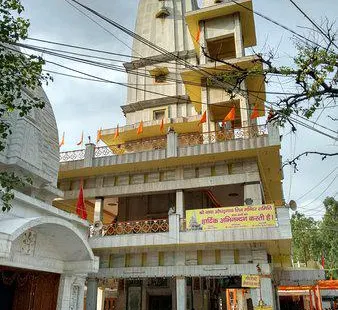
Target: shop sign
x=231, y=217
x=249, y=280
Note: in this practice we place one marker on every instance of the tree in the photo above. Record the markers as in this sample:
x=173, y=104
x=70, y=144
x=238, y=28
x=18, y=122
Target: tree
x=305, y=235
x=314, y=72
x=329, y=236
x=18, y=73
x=317, y=240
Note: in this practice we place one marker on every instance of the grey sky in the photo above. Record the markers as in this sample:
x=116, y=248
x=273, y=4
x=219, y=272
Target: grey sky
x=83, y=105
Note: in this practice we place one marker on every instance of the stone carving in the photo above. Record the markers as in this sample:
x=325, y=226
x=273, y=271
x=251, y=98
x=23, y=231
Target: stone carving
x=28, y=242
x=74, y=298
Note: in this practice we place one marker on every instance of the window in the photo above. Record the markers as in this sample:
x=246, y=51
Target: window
x=161, y=78
x=159, y=114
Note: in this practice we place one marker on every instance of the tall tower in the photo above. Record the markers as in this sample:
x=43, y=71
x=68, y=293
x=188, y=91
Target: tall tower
x=186, y=201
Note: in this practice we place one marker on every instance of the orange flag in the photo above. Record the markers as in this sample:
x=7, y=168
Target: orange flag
x=80, y=205
x=62, y=142
x=162, y=125
x=231, y=115
x=254, y=113
x=198, y=34
x=203, y=118
x=117, y=132
x=81, y=140
x=99, y=135
x=140, y=128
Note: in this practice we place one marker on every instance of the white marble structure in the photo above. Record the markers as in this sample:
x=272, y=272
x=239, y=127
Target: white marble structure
x=33, y=234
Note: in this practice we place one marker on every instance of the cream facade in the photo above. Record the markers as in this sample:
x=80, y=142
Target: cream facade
x=139, y=187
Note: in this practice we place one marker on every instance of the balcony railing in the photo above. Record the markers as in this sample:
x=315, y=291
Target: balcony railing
x=132, y=227
x=120, y=149
x=196, y=138
x=132, y=147
x=72, y=155
x=188, y=139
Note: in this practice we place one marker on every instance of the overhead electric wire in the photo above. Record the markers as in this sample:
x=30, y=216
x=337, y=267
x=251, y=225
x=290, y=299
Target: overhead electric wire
x=303, y=207
x=313, y=23
x=277, y=23
x=314, y=187
x=157, y=48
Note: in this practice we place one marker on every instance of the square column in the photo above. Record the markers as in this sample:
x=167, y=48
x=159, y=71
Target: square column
x=253, y=191
x=91, y=299
x=266, y=292
x=71, y=292
x=180, y=203
x=98, y=209
x=181, y=293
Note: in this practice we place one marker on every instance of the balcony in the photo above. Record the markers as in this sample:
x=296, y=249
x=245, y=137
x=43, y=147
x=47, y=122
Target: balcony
x=145, y=233
x=160, y=143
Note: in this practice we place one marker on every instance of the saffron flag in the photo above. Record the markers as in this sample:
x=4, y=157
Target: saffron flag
x=231, y=115
x=80, y=205
x=99, y=135
x=323, y=261
x=254, y=113
x=81, y=140
x=62, y=142
x=198, y=34
x=140, y=128
x=203, y=118
x=117, y=132
x=162, y=125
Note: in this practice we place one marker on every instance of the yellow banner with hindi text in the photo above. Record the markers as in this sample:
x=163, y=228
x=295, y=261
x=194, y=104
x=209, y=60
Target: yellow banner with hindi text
x=231, y=217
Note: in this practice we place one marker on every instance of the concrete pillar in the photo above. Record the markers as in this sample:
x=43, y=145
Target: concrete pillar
x=238, y=36
x=273, y=131
x=174, y=227
x=180, y=203
x=91, y=299
x=266, y=293
x=89, y=155
x=100, y=298
x=181, y=293
x=253, y=191
x=98, y=209
x=71, y=292
x=172, y=143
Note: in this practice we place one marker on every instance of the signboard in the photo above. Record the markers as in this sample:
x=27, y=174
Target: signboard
x=249, y=280
x=231, y=217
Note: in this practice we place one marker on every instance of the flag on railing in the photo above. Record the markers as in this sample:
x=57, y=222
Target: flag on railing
x=254, y=113
x=80, y=205
x=140, y=128
x=81, y=140
x=203, y=118
x=117, y=132
x=99, y=135
x=62, y=142
x=162, y=126
x=231, y=115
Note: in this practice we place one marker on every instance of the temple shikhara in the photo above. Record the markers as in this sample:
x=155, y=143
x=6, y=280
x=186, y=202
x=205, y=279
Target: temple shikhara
x=185, y=200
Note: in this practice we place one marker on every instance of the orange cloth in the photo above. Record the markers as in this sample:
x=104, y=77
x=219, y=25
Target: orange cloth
x=81, y=140
x=231, y=115
x=254, y=113
x=203, y=118
x=80, y=205
x=117, y=132
x=162, y=125
x=140, y=128
x=62, y=142
x=198, y=35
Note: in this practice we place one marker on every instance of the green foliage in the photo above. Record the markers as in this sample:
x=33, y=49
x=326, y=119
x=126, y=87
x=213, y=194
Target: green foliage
x=19, y=74
x=311, y=239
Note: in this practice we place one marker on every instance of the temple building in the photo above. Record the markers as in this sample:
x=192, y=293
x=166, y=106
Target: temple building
x=186, y=199
x=45, y=256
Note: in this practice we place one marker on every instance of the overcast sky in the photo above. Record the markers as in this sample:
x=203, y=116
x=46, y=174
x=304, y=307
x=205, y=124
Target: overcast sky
x=84, y=105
